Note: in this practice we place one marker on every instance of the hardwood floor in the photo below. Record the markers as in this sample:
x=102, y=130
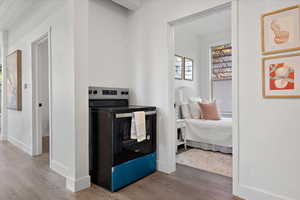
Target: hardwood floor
x=26, y=178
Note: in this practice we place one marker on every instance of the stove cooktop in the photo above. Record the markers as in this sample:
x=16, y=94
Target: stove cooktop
x=123, y=109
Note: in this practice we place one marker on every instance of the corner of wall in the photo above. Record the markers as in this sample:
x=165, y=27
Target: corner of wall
x=78, y=184
x=59, y=168
x=74, y=185
x=166, y=167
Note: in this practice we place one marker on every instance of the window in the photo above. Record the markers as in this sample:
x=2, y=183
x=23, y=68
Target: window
x=183, y=68
x=221, y=78
x=188, y=69
x=178, y=67
x=221, y=63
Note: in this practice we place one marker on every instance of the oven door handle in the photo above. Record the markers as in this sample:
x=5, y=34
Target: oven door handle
x=125, y=115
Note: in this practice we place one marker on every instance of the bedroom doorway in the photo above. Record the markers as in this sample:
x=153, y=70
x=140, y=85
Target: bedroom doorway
x=204, y=89
x=41, y=86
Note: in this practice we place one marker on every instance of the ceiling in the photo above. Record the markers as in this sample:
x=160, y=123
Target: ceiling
x=211, y=23
x=14, y=11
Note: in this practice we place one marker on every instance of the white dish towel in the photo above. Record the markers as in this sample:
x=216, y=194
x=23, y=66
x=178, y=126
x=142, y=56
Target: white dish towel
x=138, y=126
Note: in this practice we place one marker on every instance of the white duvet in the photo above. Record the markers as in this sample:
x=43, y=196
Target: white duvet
x=216, y=132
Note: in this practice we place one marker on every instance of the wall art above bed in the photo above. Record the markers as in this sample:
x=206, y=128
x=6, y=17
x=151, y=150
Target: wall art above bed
x=280, y=30
x=281, y=76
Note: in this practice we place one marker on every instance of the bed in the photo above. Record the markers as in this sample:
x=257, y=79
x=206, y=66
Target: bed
x=214, y=135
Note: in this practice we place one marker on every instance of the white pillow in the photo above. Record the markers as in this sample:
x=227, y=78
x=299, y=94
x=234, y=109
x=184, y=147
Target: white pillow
x=205, y=101
x=185, y=111
x=196, y=99
x=195, y=110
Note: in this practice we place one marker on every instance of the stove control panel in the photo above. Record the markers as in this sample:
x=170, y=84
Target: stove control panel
x=108, y=93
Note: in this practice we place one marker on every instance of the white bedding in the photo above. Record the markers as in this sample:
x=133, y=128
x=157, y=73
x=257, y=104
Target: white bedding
x=215, y=132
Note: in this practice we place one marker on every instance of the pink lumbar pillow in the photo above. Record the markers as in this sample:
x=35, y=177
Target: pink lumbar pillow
x=209, y=111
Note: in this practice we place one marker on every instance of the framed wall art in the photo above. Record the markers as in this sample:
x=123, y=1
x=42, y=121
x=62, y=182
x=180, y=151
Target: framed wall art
x=281, y=76
x=14, y=81
x=280, y=30
x=179, y=67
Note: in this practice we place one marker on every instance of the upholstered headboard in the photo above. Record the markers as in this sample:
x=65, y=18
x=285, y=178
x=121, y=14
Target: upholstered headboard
x=180, y=95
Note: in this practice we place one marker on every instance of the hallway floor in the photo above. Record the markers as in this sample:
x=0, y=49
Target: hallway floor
x=27, y=178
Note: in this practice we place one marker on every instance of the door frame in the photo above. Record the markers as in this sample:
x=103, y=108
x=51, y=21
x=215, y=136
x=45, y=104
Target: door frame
x=233, y=4
x=36, y=133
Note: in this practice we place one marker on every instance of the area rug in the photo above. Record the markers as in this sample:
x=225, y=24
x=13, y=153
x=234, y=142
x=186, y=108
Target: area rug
x=214, y=162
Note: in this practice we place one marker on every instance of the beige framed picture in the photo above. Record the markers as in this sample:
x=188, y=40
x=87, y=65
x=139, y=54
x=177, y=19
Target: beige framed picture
x=280, y=30
x=281, y=76
x=14, y=80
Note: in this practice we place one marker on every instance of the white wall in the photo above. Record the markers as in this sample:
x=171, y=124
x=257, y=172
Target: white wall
x=188, y=45
x=269, y=162
x=269, y=128
x=108, y=45
x=63, y=128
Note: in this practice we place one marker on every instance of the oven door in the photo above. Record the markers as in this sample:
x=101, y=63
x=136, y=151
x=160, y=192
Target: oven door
x=125, y=148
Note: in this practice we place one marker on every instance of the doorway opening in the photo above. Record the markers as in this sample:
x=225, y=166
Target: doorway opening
x=204, y=49
x=41, y=88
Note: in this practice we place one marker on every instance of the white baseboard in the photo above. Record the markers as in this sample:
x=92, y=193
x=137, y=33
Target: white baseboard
x=3, y=138
x=20, y=145
x=71, y=184
x=247, y=192
x=59, y=168
x=165, y=167
x=79, y=184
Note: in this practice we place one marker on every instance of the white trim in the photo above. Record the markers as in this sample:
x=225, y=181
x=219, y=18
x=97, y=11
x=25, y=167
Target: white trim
x=248, y=192
x=129, y=4
x=50, y=92
x=78, y=184
x=4, y=115
x=235, y=96
x=59, y=168
x=20, y=145
x=71, y=184
x=36, y=136
x=171, y=119
x=165, y=166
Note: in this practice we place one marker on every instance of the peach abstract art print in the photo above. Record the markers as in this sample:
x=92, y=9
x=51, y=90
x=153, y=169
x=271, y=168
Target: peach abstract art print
x=281, y=30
